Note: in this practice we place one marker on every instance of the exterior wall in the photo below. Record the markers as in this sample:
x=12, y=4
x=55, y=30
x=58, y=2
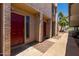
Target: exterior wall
x=74, y=14
x=6, y=28
x=36, y=27
x=45, y=8
x=54, y=22
x=41, y=28
x=36, y=23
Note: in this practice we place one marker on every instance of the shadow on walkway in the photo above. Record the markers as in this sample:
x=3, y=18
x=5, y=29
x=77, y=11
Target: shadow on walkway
x=71, y=47
x=42, y=47
x=17, y=50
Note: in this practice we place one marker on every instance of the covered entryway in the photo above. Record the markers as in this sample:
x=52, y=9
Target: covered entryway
x=0, y=29
x=24, y=27
x=17, y=29
x=28, y=18
x=46, y=27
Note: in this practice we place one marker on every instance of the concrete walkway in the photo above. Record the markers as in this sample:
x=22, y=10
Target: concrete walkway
x=59, y=48
x=52, y=47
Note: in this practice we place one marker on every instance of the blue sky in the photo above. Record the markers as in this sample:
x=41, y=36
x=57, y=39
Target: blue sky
x=63, y=7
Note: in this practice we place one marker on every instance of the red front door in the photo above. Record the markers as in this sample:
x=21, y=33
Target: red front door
x=44, y=29
x=17, y=29
x=1, y=29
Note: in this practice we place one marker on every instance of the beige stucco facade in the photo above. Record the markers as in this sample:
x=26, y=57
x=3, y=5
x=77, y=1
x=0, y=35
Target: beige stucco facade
x=39, y=13
x=45, y=8
x=74, y=14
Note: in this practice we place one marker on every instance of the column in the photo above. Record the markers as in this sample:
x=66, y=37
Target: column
x=56, y=24
x=50, y=28
x=6, y=28
x=41, y=28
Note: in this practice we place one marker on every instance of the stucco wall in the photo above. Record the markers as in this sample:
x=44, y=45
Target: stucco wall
x=74, y=14
x=6, y=28
x=45, y=8
x=36, y=27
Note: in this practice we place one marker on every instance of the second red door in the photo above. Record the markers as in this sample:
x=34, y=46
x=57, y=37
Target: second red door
x=44, y=29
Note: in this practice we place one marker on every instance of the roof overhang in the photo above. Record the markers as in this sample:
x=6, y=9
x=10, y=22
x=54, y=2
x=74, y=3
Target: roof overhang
x=24, y=7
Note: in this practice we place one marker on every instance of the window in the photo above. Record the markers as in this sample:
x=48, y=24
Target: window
x=27, y=26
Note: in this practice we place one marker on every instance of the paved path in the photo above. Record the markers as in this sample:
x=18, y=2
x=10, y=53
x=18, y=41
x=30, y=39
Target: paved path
x=59, y=48
x=53, y=47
